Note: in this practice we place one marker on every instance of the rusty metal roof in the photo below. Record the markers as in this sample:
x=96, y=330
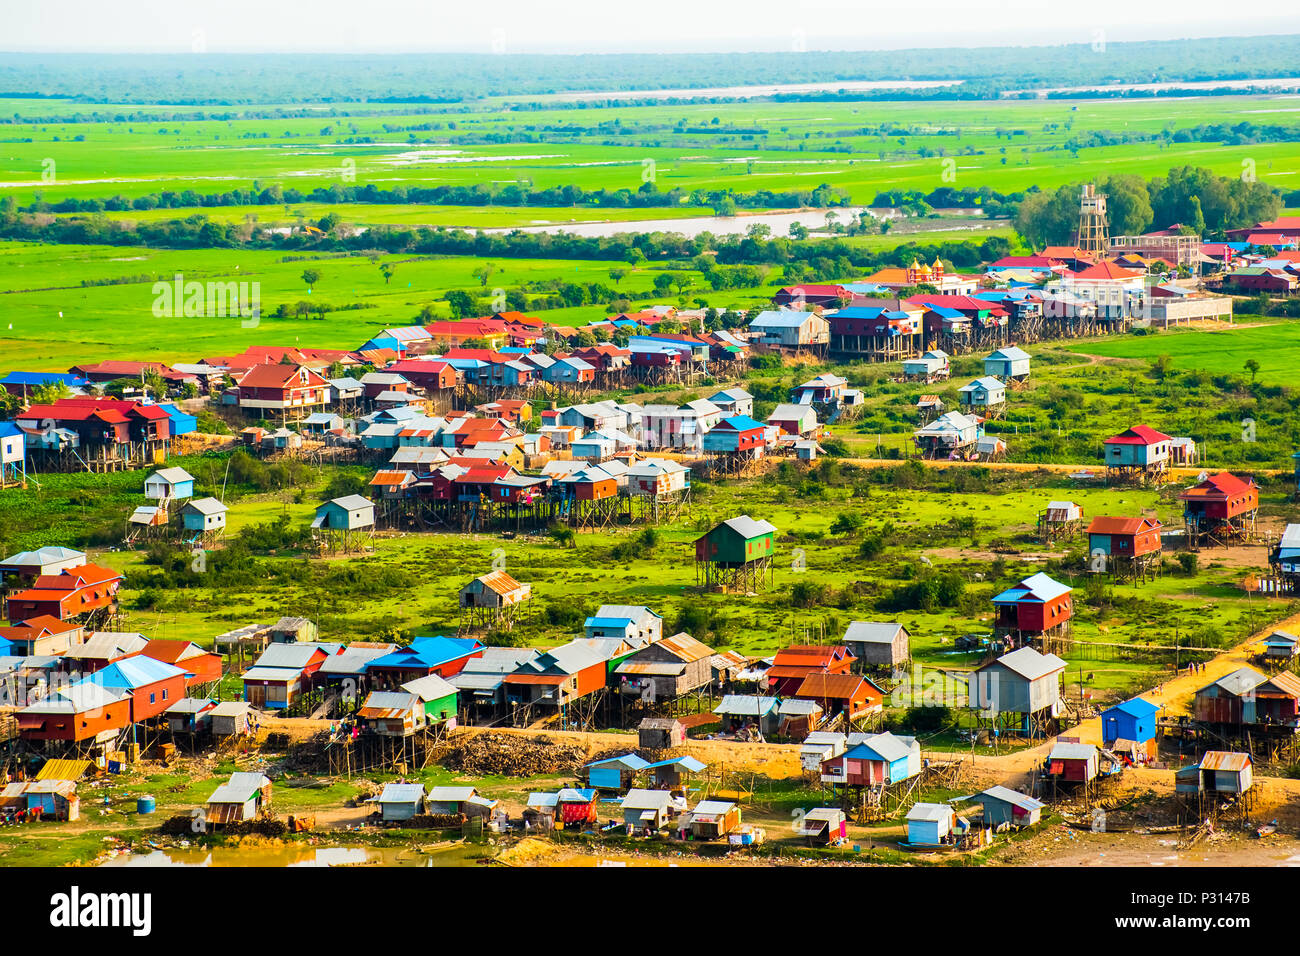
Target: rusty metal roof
x=686, y=647
x=1286, y=682
x=1225, y=760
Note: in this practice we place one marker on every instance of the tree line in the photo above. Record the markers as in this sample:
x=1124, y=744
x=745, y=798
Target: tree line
x=1195, y=198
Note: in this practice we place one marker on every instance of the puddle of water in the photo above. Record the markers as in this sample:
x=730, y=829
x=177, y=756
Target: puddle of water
x=301, y=855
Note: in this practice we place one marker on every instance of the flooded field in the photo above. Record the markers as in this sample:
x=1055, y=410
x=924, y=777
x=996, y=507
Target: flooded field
x=778, y=222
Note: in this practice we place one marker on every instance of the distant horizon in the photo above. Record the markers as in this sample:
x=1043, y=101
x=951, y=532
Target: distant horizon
x=583, y=27
x=994, y=42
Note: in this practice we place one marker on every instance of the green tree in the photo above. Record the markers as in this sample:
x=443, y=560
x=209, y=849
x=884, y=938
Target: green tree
x=311, y=277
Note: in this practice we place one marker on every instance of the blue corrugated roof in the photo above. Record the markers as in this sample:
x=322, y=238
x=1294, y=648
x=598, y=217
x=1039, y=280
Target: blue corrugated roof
x=43, y=378
x=1137, y=707
x=743, y=423
x=607, y=622
x=427, y=652
x=133, y=672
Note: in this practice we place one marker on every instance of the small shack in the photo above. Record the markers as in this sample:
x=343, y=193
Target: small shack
x=576, y=807
x=1280, y=647
x=1003, y=805
x=190, y=715
x=1071, y=762
x=741, y=711
x=457, y=801
x=1219, y=771
x=823, y=826
x=400, y=802
x=930, y=824
x=1130, y=726
x=668, y=774
x=646, y=810
x=243, y=797
x=615, y=773
x=714, y=819
x=820, y=746
x=204, y=516
x=660, y=733
x=541, y=811
x=231, y=718
x=878, y=644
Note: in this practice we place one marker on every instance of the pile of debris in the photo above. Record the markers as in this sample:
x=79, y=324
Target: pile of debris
x=509, y=755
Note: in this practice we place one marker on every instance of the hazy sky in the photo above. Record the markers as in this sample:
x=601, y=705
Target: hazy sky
x=610, y=26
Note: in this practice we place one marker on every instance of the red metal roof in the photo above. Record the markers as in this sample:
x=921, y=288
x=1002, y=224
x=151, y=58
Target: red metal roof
x=278, y=376
x=1106, y=524
x=1224, y=484
x=550, y=679
x=1138, y=435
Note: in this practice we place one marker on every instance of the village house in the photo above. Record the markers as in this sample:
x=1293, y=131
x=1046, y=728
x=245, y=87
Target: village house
x=1280, y=647
x=666, y=669
x=169, y=483
x=878, y=645
x=1023, y=682
x=1137, y=451
x=1036, y=606
x=1008, y=363
x=984, y=396
x=1130, y=727
x=232, y=718
x=1220, y=510
x=851, y=695
x=70, y=595
x=459, y=801
x=203, y=516
x=1246, y=698
x=190, y=715
x=25, y=567
x=712, y=819
x=443, y=656
x=952, y=434
x=557, y=677
x=636, y=624
x=201, y=667
x=871, y=760
x=77, y=713
x=284, y=392
x=152, y=686
x=1072, y=762
x=933, y=366
x=657, y=477
x=42, y=635
x=100, y=649
x=1217, y=772
x=1123, y=546
x=820, y=746
x=794, y=331
x=794, y=663
x=660, y=733
x=615, y=773
x=281, y=674
x=823, y=826
x=792, y=419
x=734, y=401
